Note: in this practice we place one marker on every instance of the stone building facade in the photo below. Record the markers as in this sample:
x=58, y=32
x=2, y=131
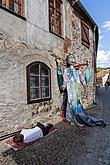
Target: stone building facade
x=28, y=40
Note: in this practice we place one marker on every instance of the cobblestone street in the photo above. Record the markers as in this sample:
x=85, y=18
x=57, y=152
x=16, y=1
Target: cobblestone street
x=70, y=145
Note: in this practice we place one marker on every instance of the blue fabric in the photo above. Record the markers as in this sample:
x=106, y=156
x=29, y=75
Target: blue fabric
x=78, y=109
x=87, y=75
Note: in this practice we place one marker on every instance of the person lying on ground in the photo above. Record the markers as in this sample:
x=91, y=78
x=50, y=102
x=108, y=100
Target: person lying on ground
x=29, y=135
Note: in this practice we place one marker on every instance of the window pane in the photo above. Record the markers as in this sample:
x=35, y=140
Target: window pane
x=52, y=24
x=39, y=84
x=51, y=11
x=44, y=81
x=16, y=1
x=44, y=70
x=58, y=27
x=58, y=16
x=34, y=81
x=52, y=20
x=45, y=92
x=34, y=69
x=51, y=2
x=16, y=8
x=11, y=5
x=34, y=93
x=58, y=5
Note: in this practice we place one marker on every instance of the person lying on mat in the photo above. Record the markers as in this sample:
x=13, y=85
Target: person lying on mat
x=29, y=135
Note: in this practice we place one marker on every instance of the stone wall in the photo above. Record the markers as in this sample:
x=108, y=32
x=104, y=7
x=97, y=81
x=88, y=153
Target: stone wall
x=73, y=44
x=14, y=110
x=24, y=42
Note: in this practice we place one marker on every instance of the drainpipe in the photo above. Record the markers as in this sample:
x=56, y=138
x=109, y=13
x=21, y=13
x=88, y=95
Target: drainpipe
x=94, y=64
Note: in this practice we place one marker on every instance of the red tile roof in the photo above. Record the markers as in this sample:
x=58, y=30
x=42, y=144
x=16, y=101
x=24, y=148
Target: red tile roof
x=102, y=73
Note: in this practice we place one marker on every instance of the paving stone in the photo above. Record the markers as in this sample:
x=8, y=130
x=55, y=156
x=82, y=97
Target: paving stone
x=70, y=145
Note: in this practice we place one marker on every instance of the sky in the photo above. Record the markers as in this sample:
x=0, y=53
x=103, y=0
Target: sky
x=99, y=10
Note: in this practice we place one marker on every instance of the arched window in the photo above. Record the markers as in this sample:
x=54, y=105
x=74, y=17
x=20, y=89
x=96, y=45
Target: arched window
x=38, y=82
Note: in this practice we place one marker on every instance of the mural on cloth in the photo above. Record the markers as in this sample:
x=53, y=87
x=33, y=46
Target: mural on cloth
x=70, y=84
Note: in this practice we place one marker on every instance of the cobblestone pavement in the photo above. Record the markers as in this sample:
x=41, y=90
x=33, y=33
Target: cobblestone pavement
x=97, y=148
x=70, y=145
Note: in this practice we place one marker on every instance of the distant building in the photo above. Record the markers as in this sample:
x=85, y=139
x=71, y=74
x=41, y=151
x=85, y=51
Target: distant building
x=32, y=34
x=103, y=77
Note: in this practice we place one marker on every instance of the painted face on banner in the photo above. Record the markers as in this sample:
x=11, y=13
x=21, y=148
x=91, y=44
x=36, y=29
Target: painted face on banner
x=71, y=59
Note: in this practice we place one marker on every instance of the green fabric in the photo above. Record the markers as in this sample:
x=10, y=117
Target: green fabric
x=59, y=77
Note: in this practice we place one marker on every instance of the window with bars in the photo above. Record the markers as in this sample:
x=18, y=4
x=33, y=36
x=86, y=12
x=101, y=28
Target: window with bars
x=85, y=34
x=55, y=16
x=15, y=6
x=38, y=82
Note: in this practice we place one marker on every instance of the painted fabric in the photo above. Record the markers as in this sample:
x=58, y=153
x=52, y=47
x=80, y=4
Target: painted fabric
x=74, y=110
x=72, y=82
x=82, y=119
x=87, y=75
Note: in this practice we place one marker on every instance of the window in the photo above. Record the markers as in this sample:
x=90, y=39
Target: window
x=85, y=34
x=38, y=82
x=15, y=6
x=55, y=16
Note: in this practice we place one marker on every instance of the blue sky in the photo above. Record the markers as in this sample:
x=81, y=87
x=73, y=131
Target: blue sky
x=100, y=12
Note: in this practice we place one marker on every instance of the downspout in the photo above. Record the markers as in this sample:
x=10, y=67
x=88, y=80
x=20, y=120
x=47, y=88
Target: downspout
x=94, y=64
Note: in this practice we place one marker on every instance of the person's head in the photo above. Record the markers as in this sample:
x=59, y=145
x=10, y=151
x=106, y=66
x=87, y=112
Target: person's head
x=49, y=126
x=70, y=59
x=18, y=138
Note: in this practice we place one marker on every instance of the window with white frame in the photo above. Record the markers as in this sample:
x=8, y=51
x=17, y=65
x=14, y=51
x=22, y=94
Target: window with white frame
x=38, y=82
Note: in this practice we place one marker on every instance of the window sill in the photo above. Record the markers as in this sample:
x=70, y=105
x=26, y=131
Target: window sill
x=38, y=101
x=57, y=35
x=11, y=12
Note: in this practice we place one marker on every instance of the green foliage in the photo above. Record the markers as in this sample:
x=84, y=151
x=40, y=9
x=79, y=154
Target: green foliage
x=99, y=69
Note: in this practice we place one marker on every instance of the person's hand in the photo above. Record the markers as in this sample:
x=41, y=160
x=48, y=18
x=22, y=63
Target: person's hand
x=58, y=60
x=62, y=88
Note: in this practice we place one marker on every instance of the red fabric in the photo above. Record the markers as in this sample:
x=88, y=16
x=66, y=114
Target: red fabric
x=20, y=145
x=63, y=116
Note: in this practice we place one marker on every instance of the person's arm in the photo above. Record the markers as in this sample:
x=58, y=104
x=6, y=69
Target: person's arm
x=59, y=75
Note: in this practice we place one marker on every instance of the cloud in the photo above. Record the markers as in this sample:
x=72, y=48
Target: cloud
x=103, y=58
x=100, y=39
x=106, y=25
x=100, y=35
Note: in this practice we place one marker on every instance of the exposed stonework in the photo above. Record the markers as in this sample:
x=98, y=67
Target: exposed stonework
x=14, y=110
x=23, y=42
x=82, y=55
